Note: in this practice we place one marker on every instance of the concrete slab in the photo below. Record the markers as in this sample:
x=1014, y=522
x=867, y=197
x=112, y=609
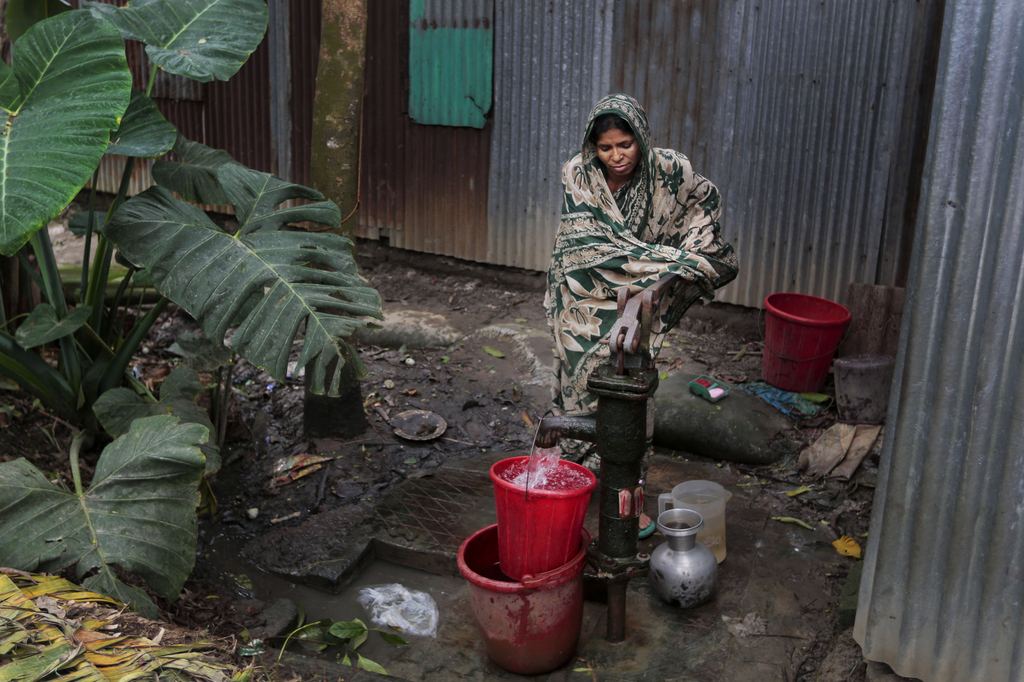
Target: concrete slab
x=773, y=570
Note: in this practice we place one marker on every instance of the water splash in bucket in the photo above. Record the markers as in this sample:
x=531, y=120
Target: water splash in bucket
x=542, y=466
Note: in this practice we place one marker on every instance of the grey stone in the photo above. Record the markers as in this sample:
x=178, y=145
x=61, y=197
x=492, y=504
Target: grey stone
x=737, y=428
x=348, y=491
x=410, y=328
x=281, y=618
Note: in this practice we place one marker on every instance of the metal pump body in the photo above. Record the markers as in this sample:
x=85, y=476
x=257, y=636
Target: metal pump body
x=619, y=428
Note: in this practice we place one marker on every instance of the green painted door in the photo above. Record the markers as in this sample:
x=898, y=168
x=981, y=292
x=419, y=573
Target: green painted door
x=451, y=60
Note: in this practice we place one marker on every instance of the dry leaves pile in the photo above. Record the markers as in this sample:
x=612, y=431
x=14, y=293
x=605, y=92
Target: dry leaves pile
x=52, y=629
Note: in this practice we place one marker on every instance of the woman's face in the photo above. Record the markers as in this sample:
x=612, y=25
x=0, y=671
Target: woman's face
x=619, y=153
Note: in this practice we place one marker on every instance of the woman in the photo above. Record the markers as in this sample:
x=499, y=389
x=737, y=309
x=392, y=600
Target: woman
x=630, y=214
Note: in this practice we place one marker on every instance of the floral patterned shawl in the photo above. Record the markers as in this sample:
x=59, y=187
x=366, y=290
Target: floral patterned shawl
x=665, y=219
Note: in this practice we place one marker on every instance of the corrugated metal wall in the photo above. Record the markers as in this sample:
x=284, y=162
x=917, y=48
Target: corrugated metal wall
x=792, y=108
x=943, y=586
x=804, y=113
x=305, y=55
x=422, y=187
x=552, y=62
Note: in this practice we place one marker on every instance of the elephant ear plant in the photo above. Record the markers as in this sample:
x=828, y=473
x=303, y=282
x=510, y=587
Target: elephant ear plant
x=68, y=100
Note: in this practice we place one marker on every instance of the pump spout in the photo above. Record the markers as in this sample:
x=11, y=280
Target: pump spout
x=576, y=426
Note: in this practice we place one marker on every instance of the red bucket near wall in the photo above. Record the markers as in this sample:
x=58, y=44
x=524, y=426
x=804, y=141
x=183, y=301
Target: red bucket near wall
x=539, y=530
x=800, y=337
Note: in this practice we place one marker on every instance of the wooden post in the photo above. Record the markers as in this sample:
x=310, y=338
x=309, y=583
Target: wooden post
x=334, y=171
x=337, y=107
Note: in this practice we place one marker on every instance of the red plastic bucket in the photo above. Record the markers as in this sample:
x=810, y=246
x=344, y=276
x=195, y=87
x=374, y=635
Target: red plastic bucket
x=801, y=335
x=540, y=531
x=529, y=627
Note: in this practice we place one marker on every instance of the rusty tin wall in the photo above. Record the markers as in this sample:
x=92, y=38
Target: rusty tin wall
x=422, y=187
x=305, y=56
x=942, y=592
x=792, y=108
x=552, y=63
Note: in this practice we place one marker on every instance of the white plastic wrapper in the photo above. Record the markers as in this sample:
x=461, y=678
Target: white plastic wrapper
x=409, y=611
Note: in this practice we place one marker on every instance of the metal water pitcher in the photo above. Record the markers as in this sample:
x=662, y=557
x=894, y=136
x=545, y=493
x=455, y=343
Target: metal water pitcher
x=683, y=571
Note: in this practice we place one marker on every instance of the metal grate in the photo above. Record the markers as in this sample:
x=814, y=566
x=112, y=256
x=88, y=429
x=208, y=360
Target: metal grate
x=436, y=507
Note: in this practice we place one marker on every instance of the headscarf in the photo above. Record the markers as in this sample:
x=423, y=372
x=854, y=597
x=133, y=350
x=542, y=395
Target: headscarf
x=665, y=219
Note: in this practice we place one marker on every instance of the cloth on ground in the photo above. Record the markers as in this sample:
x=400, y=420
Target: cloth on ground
x=791, y=404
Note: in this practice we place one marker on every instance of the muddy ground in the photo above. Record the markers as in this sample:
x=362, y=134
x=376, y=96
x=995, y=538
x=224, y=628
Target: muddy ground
x=473, y=384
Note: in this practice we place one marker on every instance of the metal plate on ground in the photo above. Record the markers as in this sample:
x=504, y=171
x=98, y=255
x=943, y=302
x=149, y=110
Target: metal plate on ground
x=419, y=424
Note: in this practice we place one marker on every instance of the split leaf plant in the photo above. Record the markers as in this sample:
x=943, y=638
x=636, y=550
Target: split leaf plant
x=68, y=100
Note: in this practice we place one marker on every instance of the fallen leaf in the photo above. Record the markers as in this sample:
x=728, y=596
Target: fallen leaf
x=790, y=519
x=864, y=438
x=750, y=625
x=412, y=392
x=798, y=491
x=847, y=546
x=826, y=452
x=493, y=351
x=526, y=418
x=294, y=462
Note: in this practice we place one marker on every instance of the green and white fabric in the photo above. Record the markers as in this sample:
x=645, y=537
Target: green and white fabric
x=665, y=219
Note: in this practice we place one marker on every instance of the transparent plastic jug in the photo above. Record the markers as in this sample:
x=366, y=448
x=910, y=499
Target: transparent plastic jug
x=708, y=499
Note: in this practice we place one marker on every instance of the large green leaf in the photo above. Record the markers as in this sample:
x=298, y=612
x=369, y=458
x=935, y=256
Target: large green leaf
x=138, y=513
x=194, y=178
x=144, y=132
x=201, y=39
x=73, y=85
x=255, y=196
x=281, y=279
x=34, y=375
x=200, y=353
x=9, y=90
x=42, y=325
x=118, y=408
x=20, y=15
